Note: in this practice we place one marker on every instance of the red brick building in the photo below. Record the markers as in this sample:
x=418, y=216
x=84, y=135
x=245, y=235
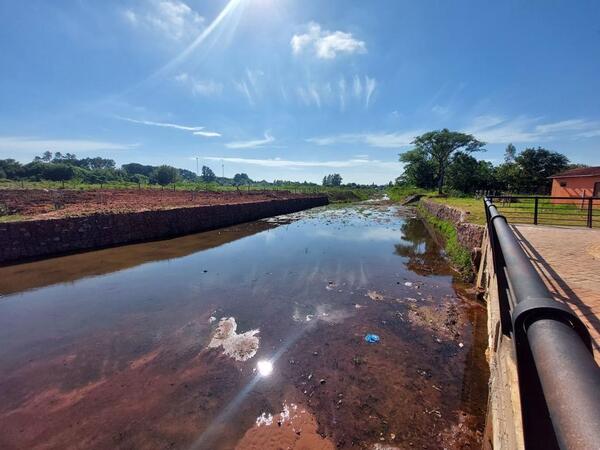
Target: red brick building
x=577, y=183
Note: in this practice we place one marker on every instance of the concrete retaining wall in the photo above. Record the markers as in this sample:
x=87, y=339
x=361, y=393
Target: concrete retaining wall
x=469, y=235
x=40, y=238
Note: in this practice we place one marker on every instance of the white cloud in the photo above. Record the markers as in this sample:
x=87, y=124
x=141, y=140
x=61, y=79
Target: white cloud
x=207, y=133
x=326, y=44
x=278, y=162
x=252, y=143
x=171, y=18
x=198, y=131
x=499, y=130
x=34, y=144
x=381, y=140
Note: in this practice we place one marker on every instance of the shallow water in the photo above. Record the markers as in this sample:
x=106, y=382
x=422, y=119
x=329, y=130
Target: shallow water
x=110, y=349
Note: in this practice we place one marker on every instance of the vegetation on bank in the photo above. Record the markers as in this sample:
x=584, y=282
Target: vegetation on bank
x=58, y=171
x=458, y=255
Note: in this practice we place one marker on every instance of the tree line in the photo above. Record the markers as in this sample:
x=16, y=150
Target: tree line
x=64, y=167
x=444, y=160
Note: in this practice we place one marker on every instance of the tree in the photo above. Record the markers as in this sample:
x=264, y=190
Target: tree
x=12, y=169
x=536, y=165
x=58, y=172
x=96, y=163
x=467, y=175
x=139, y=179
x=187, y=175
x=133, y=168
x=510, y=153
x=240, y=179
x=440, y=145
x=164, y=175
x=419, y=169
x=334, y=179
x=208, y=175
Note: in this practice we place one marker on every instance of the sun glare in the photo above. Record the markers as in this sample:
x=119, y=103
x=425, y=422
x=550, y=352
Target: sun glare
x=265, y=368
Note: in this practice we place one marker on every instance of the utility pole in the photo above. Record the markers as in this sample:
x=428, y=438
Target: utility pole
x=222, y=169
x=197, y=172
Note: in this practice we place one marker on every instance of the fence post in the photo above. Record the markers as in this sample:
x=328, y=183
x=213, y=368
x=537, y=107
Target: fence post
x=535, y=211
x=590, y=212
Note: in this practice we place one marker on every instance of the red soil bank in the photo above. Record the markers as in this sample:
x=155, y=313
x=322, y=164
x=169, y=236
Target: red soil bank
x=43, y=203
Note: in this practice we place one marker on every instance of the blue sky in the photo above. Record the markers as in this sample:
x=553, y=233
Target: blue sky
x=296, y=89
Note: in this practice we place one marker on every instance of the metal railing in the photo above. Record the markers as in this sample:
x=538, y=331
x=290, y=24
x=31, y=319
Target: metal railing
x=539, y=210
x=559, y=381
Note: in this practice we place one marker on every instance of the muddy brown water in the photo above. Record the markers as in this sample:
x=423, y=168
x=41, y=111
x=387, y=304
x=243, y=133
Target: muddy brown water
x=109, y=349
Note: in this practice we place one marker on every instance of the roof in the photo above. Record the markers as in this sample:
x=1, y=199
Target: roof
x=580, y=172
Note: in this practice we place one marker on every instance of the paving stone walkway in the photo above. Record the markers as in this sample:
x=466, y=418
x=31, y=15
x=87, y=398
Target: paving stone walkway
x=568, y=259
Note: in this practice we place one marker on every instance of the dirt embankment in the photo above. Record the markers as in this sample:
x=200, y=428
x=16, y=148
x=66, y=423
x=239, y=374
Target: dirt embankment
x=41, y=203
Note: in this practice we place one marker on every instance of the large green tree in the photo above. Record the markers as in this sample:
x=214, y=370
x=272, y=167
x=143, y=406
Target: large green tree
x=536, y=165
x=164, y=175
x=333, y=179
x=440, y=145
x=208, y=175
x=467, y=174
x=419, y=169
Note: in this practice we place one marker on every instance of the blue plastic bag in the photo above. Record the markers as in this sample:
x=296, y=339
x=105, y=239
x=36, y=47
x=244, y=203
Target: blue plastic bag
x=372, y=338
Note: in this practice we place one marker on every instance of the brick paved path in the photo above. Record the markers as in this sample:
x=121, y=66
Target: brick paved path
x=569, y=261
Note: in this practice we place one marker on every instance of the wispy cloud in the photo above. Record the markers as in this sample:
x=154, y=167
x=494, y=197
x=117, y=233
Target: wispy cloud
x=370, y=85
x=250, y=85
x=337, y=164
x=325, y=44
x=381, y=140
x=251, y=143
x=343, y=92
x=499, y=130
x=171, y=18
x=35, y=144
x=205, y=88
x=197, y=130
x=440, y=110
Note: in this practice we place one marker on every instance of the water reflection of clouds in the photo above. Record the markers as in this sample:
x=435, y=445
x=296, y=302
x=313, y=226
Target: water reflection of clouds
x=364, y=234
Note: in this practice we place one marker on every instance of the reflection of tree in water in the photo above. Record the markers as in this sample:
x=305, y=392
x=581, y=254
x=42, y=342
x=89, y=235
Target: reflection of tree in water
x=423, y=253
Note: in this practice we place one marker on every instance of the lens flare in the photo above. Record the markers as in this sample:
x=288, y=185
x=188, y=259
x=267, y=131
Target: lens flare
x=265, y=368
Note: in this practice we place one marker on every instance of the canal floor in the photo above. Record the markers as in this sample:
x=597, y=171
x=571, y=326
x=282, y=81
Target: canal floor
x=247, y=337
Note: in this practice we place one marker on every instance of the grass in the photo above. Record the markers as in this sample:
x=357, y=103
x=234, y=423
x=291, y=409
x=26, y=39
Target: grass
x=400, y=193
x=473, y=206
x=458, y=255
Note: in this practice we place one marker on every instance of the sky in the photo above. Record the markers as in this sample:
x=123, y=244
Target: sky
x=296, y=89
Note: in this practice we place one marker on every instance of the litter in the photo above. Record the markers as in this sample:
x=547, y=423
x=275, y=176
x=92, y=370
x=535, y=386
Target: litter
x=372, y=338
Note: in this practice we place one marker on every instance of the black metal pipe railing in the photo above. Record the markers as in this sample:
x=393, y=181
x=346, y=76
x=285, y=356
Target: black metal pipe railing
x=559, y=380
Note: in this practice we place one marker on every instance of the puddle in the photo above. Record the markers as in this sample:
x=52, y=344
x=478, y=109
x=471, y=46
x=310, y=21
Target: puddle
x=157, y=346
